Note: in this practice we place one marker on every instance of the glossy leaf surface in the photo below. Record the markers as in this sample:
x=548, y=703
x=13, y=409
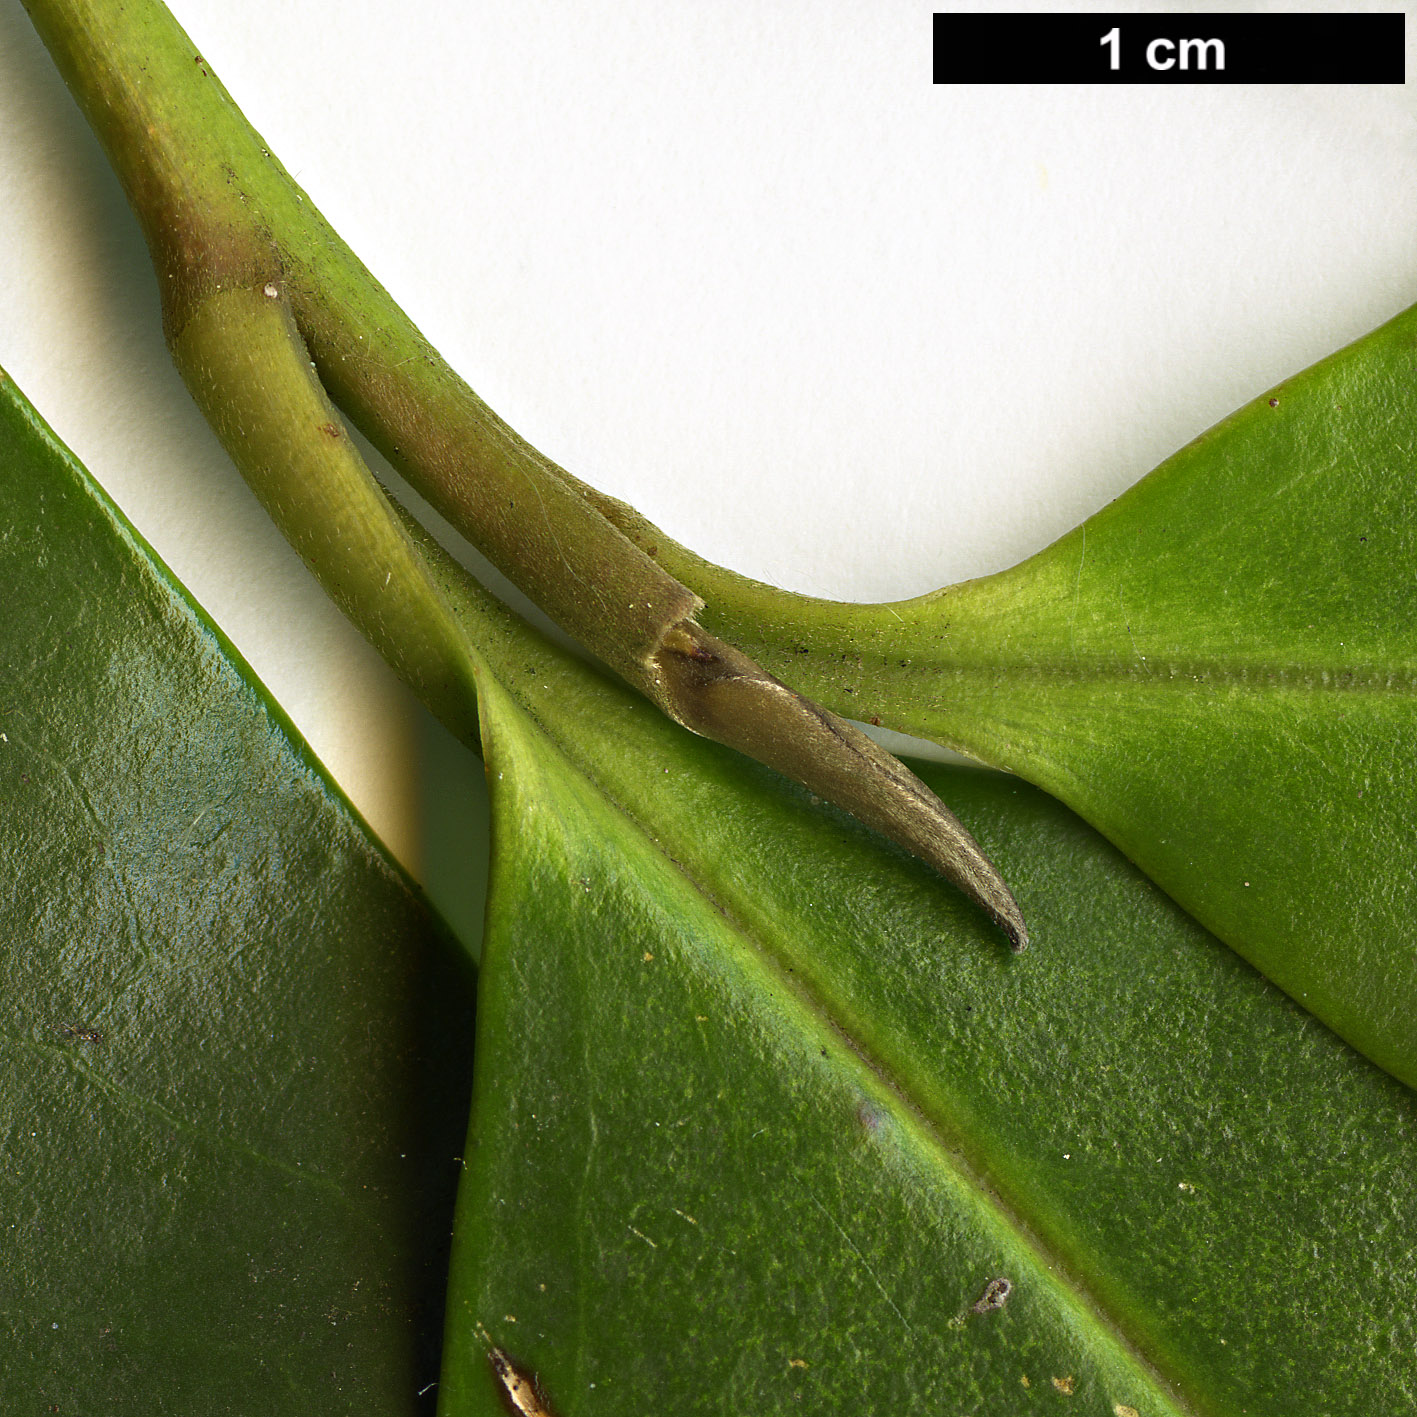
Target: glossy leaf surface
x=1217, y=670
x=763, y=1110
x=233, y=1064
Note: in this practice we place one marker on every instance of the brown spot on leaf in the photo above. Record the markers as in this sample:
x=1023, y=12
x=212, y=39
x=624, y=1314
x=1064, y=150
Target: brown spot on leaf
x=995, y=1296
x=1064, y=1385
x=80, y=1034
x=518, y=1390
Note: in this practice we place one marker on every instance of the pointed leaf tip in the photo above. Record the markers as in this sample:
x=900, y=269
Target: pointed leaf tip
x=717, y=691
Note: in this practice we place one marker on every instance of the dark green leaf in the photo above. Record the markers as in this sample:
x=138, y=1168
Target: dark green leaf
x=233, y=1063
x=764, y=1111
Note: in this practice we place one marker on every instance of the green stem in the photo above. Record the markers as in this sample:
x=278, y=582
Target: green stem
x=246, y=367
x=218, y=211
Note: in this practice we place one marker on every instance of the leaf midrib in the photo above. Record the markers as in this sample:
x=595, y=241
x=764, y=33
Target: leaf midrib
x=1310, y=678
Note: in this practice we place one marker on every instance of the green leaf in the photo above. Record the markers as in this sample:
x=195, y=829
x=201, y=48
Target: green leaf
x=233, y=1062
x=763, y=1111
x=1217, y=671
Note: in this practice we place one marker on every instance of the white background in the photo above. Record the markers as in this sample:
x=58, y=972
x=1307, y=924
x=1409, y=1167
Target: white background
x=741, y=264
